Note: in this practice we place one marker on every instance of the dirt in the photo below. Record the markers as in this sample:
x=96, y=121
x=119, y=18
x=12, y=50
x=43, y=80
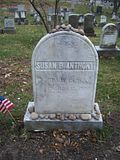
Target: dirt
x=18, y=144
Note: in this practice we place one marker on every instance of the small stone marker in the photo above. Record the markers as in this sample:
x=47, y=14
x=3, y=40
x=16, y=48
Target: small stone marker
x=89, y=24
x=103, y=20
x=64, y=71
x=9, y=25
x=81, y=19
x=108, y=40
x=20, y=15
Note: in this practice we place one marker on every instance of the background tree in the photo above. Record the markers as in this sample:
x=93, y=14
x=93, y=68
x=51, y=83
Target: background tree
x=40, y=6
x=116, y=6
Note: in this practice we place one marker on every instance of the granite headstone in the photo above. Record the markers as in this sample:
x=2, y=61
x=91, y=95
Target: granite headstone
x=89, y=24
x=64, y=71
x=73, y=20
x=9, y=25
x=108, y=41
x=103, y=20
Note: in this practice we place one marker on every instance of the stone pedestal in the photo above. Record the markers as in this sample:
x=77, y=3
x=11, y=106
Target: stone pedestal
x=9, y=30
x=107, y=51
x=44, y=124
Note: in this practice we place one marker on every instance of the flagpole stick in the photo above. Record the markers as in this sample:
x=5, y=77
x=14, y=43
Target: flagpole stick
x=12, y=117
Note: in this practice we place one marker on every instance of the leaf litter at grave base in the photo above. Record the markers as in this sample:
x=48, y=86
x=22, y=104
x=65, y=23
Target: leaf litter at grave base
x=59, y=144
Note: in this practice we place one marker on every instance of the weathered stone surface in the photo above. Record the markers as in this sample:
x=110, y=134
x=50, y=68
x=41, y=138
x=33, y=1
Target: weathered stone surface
x=86, y=117
x=108, y=41
x=109, y=36
x=34, y=116
x=64, y=68
x=64, y=71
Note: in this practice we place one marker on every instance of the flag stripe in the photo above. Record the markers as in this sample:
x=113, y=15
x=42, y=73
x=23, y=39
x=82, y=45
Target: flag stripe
x=5, y=104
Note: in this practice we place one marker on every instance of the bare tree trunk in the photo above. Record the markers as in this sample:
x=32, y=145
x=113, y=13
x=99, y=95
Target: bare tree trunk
x=56, y=12
x=32, y=2
x=116, y=6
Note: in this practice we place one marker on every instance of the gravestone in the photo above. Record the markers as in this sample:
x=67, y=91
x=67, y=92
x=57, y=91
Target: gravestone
x=9, y=25
x=103, y=20
x=114, y=17
x=89, y=24
x=81, y=20
x=73, y=20
x=108, y=40
x=98, y=2
x=17, y=16
x=65, y=12
x=21, y=14
x=64, y=71
x=37, y=19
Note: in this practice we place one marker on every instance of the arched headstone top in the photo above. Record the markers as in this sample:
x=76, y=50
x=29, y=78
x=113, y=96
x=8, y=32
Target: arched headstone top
x=72, y=41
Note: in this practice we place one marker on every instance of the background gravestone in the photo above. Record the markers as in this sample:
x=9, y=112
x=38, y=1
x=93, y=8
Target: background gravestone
x=89, y=24
x=64, y=71
x=108, y=40
x=17, y=16
x=73, y=20
x=109, y=36
x=20, y=15
x=9, y=25
x=103, y=20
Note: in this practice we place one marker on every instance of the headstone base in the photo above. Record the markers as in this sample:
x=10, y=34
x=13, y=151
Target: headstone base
x=67, y=125
x=107, y=51
x=101, y=24
x=90, y=34
x=9, y=31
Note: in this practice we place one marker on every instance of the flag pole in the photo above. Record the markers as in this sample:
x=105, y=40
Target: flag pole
x=12, y=117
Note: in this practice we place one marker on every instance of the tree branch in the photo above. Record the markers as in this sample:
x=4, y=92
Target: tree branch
x=32, y=2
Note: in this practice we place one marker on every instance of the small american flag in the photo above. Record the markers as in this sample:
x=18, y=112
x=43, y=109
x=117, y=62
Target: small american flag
x=5, y=104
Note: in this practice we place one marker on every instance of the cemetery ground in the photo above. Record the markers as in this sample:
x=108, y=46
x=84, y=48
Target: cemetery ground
x=16, y=143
